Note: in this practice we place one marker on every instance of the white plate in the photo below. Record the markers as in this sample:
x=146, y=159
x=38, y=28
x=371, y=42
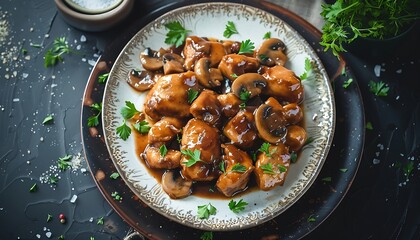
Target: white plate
x=209, y=20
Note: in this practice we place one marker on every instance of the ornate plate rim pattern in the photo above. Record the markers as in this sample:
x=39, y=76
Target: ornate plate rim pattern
x=320, y=122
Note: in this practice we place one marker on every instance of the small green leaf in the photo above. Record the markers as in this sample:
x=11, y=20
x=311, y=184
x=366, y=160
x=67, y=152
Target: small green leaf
x=206, y=236
x=293, y=157
x=48, y=119
x=230, y=29
x=311, y=219
x=49, y=217
x=191, y=95
x=343, y=170
x=53, y=179
x=129, y=110
x=100, y=221
x=369, y=126
x=326, y=179
x=114, y=175
x=238, y=168
x=124, y=131
x=142, y=127
x=244, y=95
x=176, y=34
x=267, y=35
x=347, y=83
x=267, y=168
x=246, y=47
x=163, y=150
x=194, y=157
x=33, y=188
x=103, y=77
x=265, y=149
x=237, y=207
x=204, y=211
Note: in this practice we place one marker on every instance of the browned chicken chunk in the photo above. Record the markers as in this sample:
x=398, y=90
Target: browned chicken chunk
x=238, y=168
x=169, y=96
x=196, y=48
x=202, y=140
x=233, y=65
x=229, y=103
x=240, y=129
x=272, y=166
x=207, y=108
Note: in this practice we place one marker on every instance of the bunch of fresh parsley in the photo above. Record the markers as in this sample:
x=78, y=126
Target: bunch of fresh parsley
x=347, y=20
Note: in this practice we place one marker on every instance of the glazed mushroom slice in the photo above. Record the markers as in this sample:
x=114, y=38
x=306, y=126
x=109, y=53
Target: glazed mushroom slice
x=283, y=84
x=271, y=52
x=233, y=65
x=175, y=185
x=296, y=137
x=142, y=80
x=238, y=167
x=151, y=60
x=229, y=103
x=272, y=166
x=206, y=107
x=270, y=121
x=251, y=83
x=207, y=76
x=240, y=129
x=172, y=63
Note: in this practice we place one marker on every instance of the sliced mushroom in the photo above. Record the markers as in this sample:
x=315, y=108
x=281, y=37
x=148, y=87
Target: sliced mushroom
x=206, y=107
x=151, y=60
x=271, y=52
x=234, y=65
x=296, y=137
x=283, y=84
x=293, y=113
x=207, y=76
x=175, y=185
x=270, y=121
x=251, y=83
x=172, y=63
x=142, y=80
x=240, y=129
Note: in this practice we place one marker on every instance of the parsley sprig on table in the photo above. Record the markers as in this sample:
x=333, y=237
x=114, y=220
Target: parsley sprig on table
x=230, y=30
x=379, y=89
x=64, y=162
x=176, y=34
x=55, y=54
x=93, y=121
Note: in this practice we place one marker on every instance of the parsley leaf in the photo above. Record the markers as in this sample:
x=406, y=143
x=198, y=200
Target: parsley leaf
x=103, y=77
x=124, y=131
x=33, y=188
x=129, y=110
x=93, y=121
x=222, y=166
x=347, y=83
x=234, y=75
x=48, y=119
x=244, y=95
x=142, y=127
x=369, y=126
x=293, y=157
x=311, y=219
x=308, y=70
x=54, y=55
x=230, y=30
x=194, y=157
x=282, y=168
x=204, y=211
x=176, y=34
x=379, y=89
x=63, y=162
x=343, y=170
x=191, y=95
x=267, y=35
x=53, y=179
x=49, y=217
x=265, y=149
x=236, y=207
x=206, y=236
x=267, y=168
x=246, y=47
x=100, y=221
x=238, y=168
x=163, y=150
x=116, y=196
x=114, y=175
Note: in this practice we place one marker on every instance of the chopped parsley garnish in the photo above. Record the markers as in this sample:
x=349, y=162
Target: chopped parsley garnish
x=242, y=106
x=194, y=157
x=281, y=168
x=116, y=196
x=55, y=54
x=347, y=83
x=238, y=168
x=265, y=149
x=176, y=34
x=33, y=188
x=204, y=211
x=246, y=47
x=293, y=157
x=343, y=170
x=311, y=219
x=309, y=140
x=114, y=175
x=93, y=121
x=100, y=221
x=49, y=217
x=267, y=168
x=222, y=166
x=163, y=150
x=326, y=179
x=63, y=162
x=142, y=127
x=103, y=77
x=53, y=179
x=308, y=70
x=48, y=119
x=230, y=30
x=124, y=131
x=267, y=35
x=263, y=57
x=206, y=236
x=244, y=95
x=379, y=89
x=129, y=110
x=408, y=168
x=234, y=75
x=237, y=207
x=191, y=95
x=369, y=126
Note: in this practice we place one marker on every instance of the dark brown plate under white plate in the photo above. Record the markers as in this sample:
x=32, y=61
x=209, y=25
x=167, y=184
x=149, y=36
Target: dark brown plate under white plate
x=305, y=215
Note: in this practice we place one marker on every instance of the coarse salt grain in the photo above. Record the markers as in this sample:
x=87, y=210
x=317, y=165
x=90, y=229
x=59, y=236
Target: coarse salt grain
x=73, y=199
x=377, y=70
x=95, y=4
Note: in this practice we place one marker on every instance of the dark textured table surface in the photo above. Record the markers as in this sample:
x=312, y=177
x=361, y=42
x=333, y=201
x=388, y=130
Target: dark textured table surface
x=381, y=203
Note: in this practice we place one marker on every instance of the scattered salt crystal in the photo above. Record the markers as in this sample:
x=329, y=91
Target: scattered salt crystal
x=399, y=71
x=377, y=70
x=54, y=85
x=92, y=62
x=397, y=97
x=78, y=47
x=38, y=235
x=91, y=219
x=314, y=117
x=376, y=161
x=41, y=139
x=16, y=99
x=48, y=234
x=83, y=38
x=25, y=75
x=83, y=170
x=73, y=199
